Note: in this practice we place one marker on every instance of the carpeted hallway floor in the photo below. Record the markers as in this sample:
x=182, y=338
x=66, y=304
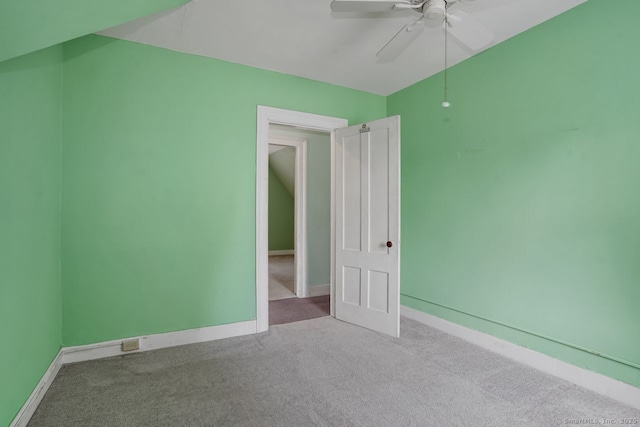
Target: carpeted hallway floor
x=297, y=309
x=319, y=372
x=284, y=306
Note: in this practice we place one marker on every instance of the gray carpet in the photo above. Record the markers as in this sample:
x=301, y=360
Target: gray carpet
x=297, y=309
x=319, y=372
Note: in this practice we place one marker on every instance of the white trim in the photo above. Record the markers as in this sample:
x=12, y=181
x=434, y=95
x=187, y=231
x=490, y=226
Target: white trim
x=265, y=117
x=156, y=341
x=300, y=210
x=332, y=276
x=319, y=290
x=282, y=252
x=593, y=381
x=30, y=406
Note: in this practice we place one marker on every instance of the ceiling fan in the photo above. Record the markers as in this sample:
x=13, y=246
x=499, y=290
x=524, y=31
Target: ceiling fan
x=468, y=32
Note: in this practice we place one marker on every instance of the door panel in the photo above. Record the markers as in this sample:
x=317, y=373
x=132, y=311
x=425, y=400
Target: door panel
x=367, y=217
x=352, y=289
x=378, y=291
x=351, y=169
x=379, y=192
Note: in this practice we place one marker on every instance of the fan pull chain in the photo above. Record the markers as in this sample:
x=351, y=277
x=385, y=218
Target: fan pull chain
x=445, y=103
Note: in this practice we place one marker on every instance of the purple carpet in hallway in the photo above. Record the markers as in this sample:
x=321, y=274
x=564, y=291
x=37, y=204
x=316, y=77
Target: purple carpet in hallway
x=297, y=309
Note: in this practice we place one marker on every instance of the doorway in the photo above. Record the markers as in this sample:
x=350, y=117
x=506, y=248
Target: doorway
x=287, y=216
x=299, y=224
x=365, y=217
x=268, y=117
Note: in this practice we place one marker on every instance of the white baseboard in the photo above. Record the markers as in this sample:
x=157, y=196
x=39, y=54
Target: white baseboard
x=593, y=381
x=113, y=348
x=30, y=406
x=157, y=341
x=318, y=290
x=282, y=252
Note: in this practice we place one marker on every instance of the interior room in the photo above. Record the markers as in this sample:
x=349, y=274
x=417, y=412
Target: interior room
x=135, y=220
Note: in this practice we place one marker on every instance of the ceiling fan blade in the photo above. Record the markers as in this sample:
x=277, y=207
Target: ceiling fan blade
x=366, y=5
x=401, y=41
x=469, y=32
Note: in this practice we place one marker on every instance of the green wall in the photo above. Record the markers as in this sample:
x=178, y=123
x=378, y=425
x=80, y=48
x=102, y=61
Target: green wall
x=281, y=215
x=520, y=203
x=153, y=242
x=26, y=26
x=30, y=294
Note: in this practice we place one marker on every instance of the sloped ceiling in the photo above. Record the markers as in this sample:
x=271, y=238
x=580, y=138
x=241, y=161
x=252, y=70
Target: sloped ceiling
x=283, y=162
x=28, y=25
x=304, y=38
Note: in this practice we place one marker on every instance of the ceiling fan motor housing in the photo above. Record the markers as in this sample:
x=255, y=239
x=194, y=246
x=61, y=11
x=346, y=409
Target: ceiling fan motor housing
x=435, y=9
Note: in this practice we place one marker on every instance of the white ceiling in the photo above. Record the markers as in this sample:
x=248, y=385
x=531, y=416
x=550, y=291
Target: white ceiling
x=304, y=38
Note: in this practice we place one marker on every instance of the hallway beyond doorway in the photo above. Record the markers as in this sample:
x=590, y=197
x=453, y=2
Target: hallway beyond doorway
x=281, y=277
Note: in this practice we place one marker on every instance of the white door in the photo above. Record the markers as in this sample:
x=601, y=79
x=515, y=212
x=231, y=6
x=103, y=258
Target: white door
x=368, y=225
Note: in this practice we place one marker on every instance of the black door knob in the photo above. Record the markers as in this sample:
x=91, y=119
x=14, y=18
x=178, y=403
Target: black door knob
x=389, y=244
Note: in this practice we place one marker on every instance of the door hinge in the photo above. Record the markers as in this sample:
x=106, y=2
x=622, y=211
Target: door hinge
x=364, y=128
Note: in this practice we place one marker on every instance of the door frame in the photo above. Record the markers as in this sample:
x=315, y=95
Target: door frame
x=300, y=211
x=265, y=117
